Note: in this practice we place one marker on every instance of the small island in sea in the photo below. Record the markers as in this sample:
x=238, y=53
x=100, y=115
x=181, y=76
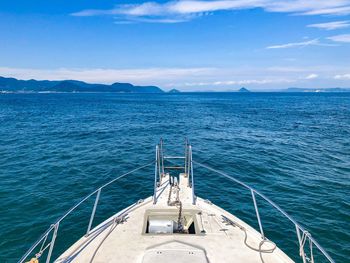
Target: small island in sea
x=174, y=91
x=243, y=89
x=12, y=85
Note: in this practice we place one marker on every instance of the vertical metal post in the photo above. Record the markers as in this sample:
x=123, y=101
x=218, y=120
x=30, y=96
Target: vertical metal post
x=188, y=160
x=186, y=157
x=93, y=212
x=155, y=177
x=192, y=181
x=301, y=251
x=52, y=243
x=257, y=214
x=159, y=168
x=162, y=155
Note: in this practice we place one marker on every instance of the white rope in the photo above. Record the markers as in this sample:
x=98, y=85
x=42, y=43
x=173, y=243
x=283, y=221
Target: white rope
x=117, y=220
x=42, y=248
x=261, y=251
x=306, y=236
x=311, y=252
x=302, y=243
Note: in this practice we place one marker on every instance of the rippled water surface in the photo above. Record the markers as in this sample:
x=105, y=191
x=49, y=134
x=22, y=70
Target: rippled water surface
x=56, y=148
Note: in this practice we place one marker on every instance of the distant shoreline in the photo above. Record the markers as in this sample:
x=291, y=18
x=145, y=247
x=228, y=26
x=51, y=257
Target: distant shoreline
x=12, y=85
x=179, y=93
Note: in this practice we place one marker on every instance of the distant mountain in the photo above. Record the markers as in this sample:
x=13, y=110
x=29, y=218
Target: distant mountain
x=174, y=91
x=294, y=89
x=243, y=89
x=15, y=85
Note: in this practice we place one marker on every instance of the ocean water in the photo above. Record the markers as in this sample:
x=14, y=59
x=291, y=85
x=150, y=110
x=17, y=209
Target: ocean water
x=57, y=148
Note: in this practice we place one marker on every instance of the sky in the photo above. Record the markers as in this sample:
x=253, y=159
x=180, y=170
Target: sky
x=189, y=45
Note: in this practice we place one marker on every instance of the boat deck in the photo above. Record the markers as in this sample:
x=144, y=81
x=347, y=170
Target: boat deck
x=124, y=237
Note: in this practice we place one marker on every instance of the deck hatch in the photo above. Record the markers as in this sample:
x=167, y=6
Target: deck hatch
x=167, y=222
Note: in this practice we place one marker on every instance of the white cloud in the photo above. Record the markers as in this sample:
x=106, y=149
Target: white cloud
x=331, y=25
x=341, y=38
x=136, y=76
x=173, y=8
x=178, y=9
x=287, y=69
x=312, y=76
x=342, y=77
x=133, y=20
x=313, y=42
x=302, y=6
x=239, y=82
x=343, y=10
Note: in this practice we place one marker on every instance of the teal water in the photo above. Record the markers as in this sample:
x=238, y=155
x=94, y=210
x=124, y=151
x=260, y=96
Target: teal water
x=56, y=148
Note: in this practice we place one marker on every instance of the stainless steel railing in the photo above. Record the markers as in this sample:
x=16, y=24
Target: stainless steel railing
x=302, y=238
x=53, y=229
x=302, y=235
x=159, y=170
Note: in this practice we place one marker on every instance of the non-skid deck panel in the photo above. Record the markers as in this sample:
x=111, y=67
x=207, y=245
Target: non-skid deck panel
x=175, y=252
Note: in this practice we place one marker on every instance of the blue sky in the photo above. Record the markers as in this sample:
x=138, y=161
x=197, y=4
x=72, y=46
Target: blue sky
x=188, y=45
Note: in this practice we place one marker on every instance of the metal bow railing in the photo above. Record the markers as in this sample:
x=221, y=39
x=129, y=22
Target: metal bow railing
x=53, y=229
x=160, y=168
x=302, y=235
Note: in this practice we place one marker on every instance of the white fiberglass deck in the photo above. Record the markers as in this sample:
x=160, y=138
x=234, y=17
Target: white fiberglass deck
x=124, y=237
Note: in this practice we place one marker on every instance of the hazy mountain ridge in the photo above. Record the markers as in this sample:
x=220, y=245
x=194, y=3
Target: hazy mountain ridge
x=9, y=85
x=16, y=85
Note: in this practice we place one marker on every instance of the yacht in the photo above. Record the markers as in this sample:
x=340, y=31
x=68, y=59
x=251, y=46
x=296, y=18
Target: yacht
x=174, y=225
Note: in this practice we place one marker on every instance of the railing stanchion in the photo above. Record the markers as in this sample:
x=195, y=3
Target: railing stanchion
x=93, y=212
x=188, y=161
x=162, y=155
x=192, y=181
x=159, y=164
x=52, y=243
x=257, y=214
x=155, y=177
x=186, y=171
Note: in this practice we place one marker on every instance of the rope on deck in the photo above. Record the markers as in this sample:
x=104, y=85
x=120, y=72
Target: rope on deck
x=260, y=250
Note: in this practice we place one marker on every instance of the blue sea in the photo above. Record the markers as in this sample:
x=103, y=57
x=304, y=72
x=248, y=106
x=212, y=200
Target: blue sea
x=292, y=147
